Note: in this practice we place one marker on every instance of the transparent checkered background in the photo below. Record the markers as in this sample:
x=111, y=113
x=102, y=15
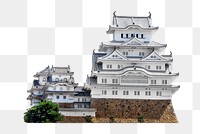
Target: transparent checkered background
x=37, y=33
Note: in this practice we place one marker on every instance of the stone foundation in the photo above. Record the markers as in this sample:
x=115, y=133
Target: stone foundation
x=151, y=110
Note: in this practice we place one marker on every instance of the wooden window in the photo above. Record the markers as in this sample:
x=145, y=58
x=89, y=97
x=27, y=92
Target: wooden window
x=158, y=93
x=147, y=93
x=107, y=66
x=104, y=92
x=114, y=92
x=125, y=92
x=142, y=36
x=118, y=66
x=136, y=92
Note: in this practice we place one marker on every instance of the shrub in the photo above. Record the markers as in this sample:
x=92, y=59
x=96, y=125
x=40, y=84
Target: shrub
x=45, y=112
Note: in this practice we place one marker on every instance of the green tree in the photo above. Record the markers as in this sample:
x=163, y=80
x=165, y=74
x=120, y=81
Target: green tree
x=112, y=119
x=88, y=119
x=45, y=112
x=140, y=118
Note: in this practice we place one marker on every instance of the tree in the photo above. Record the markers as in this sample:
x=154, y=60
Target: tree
x=88, y=119
x=140, y=118
x=112, y=119
x=45, y=112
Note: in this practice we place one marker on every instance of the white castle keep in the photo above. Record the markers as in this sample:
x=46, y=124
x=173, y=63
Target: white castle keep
x=131, y=66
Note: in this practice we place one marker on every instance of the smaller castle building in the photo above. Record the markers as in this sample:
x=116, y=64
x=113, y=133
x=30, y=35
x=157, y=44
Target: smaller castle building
x=57, y=84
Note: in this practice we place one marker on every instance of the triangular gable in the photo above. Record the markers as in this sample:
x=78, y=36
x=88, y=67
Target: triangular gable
x=114, y=55
x=133, y=41
x=154, y=56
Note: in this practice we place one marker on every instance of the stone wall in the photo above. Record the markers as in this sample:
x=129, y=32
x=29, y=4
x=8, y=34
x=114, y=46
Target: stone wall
x=161, y=110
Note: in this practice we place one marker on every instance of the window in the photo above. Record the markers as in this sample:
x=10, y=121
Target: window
x=149, y=67
x=114, y=92
x=78, y=99
x=114, y=80
x=153, y=81
x=80, y=106
x=109, y=66
x=121, y=35
x=136, y=92
x=57, y=97
x=84, y=99
x=126, y=35
x=132, y=35
x=126, y=53
x=137, y=35
x=104, y=92
x=104, y=80
x=64, y=97
x=125, y=92
x=118, y=66
x=147, y=93
x=158, y=93
x=142, y=36
x=141, y=53
x=158, y=67
x=164, y=81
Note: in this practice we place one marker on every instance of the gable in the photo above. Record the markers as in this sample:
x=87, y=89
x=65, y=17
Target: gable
x=133, y=41
x=154, y=56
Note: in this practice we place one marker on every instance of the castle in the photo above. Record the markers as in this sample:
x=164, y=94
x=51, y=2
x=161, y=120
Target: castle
x=129, y=76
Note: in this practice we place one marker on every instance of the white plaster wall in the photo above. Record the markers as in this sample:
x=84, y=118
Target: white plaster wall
x=117, y=34
x=97, y=93
x=69, y=99
x=88, y=99
x=60, y=77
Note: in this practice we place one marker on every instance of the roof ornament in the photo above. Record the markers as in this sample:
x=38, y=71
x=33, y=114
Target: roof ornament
x=149, y=15
x=114, y=15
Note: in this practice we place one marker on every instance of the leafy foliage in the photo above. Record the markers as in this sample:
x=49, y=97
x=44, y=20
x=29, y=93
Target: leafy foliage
x=140, y=118
x=45, y=112
x=112, y=119
x=88, y=119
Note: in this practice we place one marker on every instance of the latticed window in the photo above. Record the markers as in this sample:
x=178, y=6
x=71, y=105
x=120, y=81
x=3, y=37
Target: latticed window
x=104, y=92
